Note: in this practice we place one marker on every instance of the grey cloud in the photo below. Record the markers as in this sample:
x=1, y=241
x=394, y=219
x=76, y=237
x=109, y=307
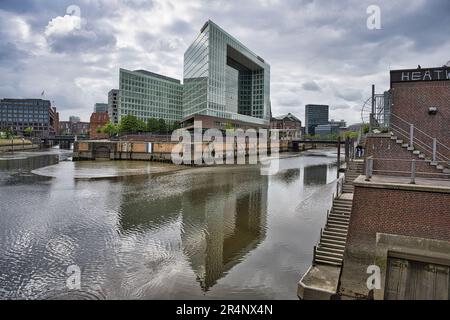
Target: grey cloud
x=302, y=40
x=81, y=41
x=311, y=86
x=340, y=107
x=349, y=94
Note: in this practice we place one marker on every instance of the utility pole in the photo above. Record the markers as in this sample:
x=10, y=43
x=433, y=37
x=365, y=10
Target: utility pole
x=372, y=113
x=338, y=155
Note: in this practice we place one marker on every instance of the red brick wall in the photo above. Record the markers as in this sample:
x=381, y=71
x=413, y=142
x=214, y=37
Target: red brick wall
x=411, y=101
x=410, y=213
x=98, y=120
x=382, y=147
x=400, y=212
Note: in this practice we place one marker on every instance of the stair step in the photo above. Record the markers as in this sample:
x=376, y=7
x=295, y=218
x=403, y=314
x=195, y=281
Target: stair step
x=343, y=201
x=328, y=239
x=338, y=222
x=335, y=236
x=344, y=217
x=324, y=252
x=333, y=242
x=338, y=245
x=446, y=171
x=342, y=207
x=328, y=248
x=335, y=230
x=337, y=226
x=319, y=261
x=326, y=258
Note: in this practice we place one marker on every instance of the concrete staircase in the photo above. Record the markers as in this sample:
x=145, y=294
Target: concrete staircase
x=330, y=250
x=355, y=169
x=440, y=167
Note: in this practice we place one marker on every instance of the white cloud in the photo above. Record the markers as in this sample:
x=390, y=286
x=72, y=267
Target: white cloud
x=63, y=25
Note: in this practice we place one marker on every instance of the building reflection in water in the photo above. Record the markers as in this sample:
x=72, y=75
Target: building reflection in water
x=314, y=175
x=223, y=218
x=288, y=176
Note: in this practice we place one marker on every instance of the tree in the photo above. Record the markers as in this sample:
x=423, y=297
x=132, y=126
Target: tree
x=162, y=126
x=110, y=129
x=351, y=134
x=366, y=129
x=28, y=131
x=131, y=124
x=229, y=126
x=152, y=125
x=9, y=133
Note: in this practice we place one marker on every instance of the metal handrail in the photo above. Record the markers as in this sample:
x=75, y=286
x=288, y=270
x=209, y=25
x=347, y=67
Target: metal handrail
x=419, y=130
x=405, y=134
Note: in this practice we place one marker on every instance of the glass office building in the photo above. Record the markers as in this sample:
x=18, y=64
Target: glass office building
x=20, y=114
x=315, y=115
x=145, y=95
x=224, y=79
x=101, y=107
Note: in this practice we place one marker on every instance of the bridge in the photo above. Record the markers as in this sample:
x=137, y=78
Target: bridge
x=320, y=141
x=63, y=141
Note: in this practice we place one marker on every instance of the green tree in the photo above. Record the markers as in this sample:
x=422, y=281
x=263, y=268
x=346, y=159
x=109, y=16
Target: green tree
x=28, y=131
x=351, y=134
x=130, y=124
x=162, y=126
x=9, y=133
x=229, y=126
x=366, y=129
x=110, y=129
x=152, y=125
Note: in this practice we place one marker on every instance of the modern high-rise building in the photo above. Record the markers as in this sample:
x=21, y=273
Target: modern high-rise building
x=315, y=114
x=20, y=114
x=74, y=119
x=145, y=95
x=101, y=107
x=113, y=106
x=224, y=82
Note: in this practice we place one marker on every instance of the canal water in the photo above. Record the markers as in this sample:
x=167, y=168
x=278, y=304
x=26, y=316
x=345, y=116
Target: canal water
x=140, y=230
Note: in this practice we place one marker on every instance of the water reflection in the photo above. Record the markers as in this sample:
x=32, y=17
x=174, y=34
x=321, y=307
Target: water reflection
x=222, y=220
x=315, y=174
x=195, y=233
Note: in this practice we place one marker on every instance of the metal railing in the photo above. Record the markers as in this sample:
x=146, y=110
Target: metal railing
x=412, y=172
x=418, y=138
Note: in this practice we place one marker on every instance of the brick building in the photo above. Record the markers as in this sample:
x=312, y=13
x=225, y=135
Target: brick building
x=289, y=126
x=400, y=221
x=98, y=120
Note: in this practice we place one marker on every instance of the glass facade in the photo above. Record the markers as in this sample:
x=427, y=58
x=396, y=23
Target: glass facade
x=315, y=114
x=222, y=78
x=149, y=95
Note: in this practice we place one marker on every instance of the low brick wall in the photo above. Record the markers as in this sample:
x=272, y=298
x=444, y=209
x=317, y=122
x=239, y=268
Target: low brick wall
x=411, y=213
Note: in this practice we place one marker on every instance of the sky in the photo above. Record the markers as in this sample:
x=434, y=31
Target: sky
x=320, y=52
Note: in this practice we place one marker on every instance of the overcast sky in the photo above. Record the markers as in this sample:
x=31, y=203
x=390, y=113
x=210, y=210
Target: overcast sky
x=319, y=51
